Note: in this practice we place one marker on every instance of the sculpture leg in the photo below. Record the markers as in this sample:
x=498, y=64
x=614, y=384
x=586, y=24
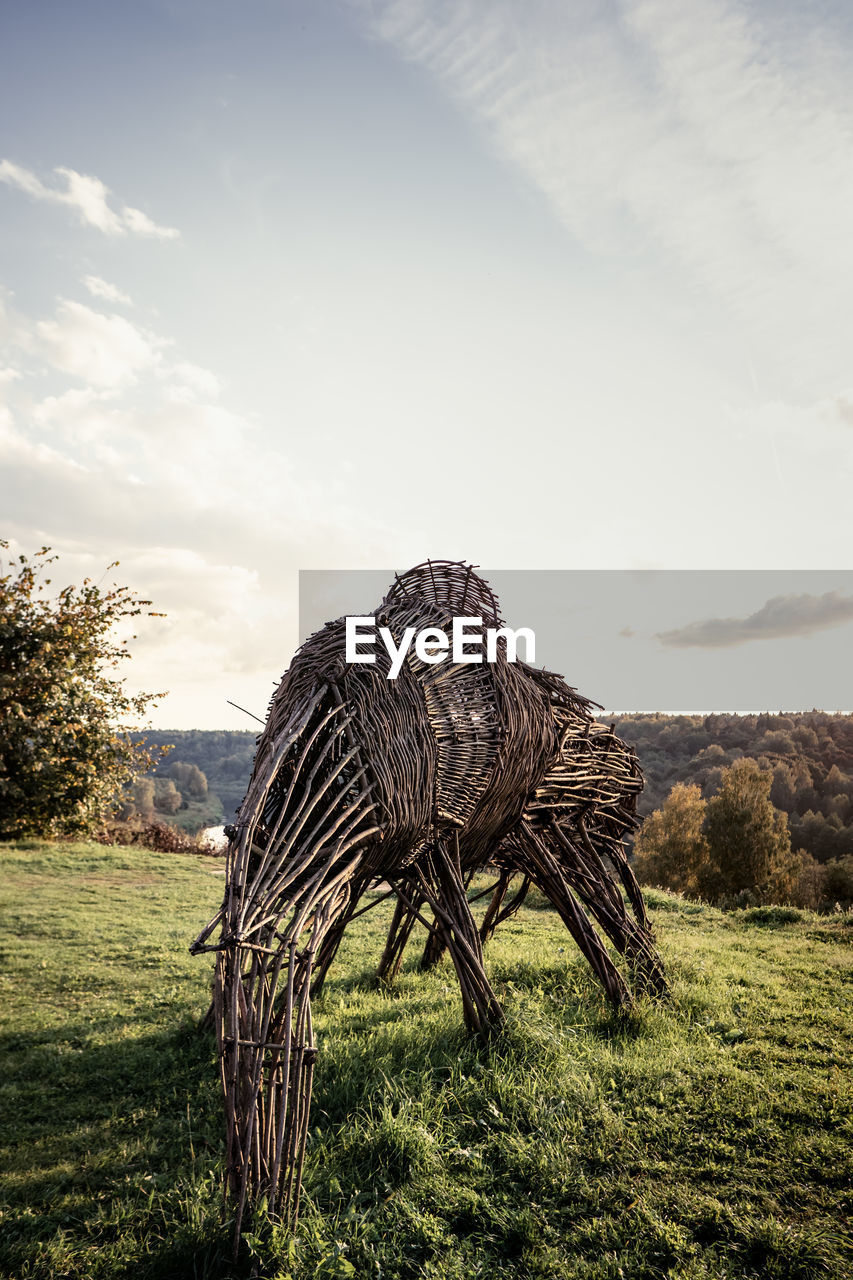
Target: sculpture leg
x=440, y=880
x=267, y=1053
x=402, y=924
x=496, y=912
x=435, y=945
x=328, y=948
x=434, y=949
x=592, y=882
x=641, y=948
x=538, y=860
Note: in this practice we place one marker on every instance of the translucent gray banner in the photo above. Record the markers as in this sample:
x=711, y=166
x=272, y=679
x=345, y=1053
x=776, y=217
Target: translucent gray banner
x=658, y=640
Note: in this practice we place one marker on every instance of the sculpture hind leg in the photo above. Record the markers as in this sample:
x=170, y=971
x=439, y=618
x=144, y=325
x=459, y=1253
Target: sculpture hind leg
x=437, y=877
x=404, y=920
x=328, y=948
x=496, y=912
x=536, y=856
x=590, y=879
x=402, y=924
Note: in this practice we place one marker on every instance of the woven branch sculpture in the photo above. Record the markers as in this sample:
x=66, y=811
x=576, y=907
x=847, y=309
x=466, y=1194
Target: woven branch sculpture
x=418, y=782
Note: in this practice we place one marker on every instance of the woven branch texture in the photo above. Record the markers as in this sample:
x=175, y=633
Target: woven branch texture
x=416, y=783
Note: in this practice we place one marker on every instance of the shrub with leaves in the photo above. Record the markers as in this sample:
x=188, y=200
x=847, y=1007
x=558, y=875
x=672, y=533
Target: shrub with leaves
x=65, y=753
x=158, y=836
x=671, y=849
x=733, y=849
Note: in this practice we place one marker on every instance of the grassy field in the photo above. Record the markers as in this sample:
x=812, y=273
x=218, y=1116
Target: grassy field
x=710, y=1137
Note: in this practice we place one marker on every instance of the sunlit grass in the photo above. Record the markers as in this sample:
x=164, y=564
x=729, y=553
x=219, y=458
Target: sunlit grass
x=706, y=1137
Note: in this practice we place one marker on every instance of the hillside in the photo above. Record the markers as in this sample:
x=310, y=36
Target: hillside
x=223, y=756
x=810, y=756
x=710, y=1137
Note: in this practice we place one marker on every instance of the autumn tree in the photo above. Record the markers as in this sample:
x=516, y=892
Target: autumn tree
x=189, y=779
x=138, y=800
x=749, y=847
x=167, y=797
x=65, y=752
x=671, y=849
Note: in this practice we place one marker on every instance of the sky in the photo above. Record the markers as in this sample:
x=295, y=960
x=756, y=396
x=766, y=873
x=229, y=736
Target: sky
x=352, y=283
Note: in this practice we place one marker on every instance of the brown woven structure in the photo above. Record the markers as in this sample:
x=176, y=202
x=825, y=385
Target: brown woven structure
x=419, y=782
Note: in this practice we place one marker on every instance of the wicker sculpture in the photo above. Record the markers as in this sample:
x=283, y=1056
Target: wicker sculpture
x=418, y=782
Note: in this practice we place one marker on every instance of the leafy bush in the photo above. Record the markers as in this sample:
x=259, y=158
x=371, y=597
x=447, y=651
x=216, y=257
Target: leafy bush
x=65, y=754
x=671, y=848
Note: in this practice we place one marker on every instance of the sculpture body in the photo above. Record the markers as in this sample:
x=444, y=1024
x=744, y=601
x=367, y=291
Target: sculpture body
x=419, y=781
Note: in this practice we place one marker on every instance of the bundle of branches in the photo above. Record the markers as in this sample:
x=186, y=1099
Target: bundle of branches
x=418, y=781
x=159, y=836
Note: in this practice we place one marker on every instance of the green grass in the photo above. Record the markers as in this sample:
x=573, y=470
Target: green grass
x=710, y=1137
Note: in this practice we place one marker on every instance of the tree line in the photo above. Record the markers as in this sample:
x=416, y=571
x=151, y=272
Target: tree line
x=734, y=805
x=788, y=777
x=222, y=757
x=799, y=790
x=808, y=755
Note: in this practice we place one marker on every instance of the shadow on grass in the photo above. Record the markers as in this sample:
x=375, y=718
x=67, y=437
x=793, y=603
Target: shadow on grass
x=406, y=1042
x=111, y=1155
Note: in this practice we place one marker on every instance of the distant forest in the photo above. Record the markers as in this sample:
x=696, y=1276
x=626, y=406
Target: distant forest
x=810, y=755
x=224, y=759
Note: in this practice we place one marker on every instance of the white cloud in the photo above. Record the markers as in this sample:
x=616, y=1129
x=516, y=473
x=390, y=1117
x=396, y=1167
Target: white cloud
x=210, y=538
x=136, y=412
x=140, y=224
x=22, y=458
x=191, y=381
x=120, y=451
x=183, y=578
x=14, y=327
x=699, y=129
x=103, y=289
x=88, y=196
x=104, y=350
x=82, y=416
x=183, y=472
x=109, y=353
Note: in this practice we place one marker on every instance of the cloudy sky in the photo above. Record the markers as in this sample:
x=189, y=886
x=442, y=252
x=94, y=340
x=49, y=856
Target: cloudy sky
x=350, y=283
